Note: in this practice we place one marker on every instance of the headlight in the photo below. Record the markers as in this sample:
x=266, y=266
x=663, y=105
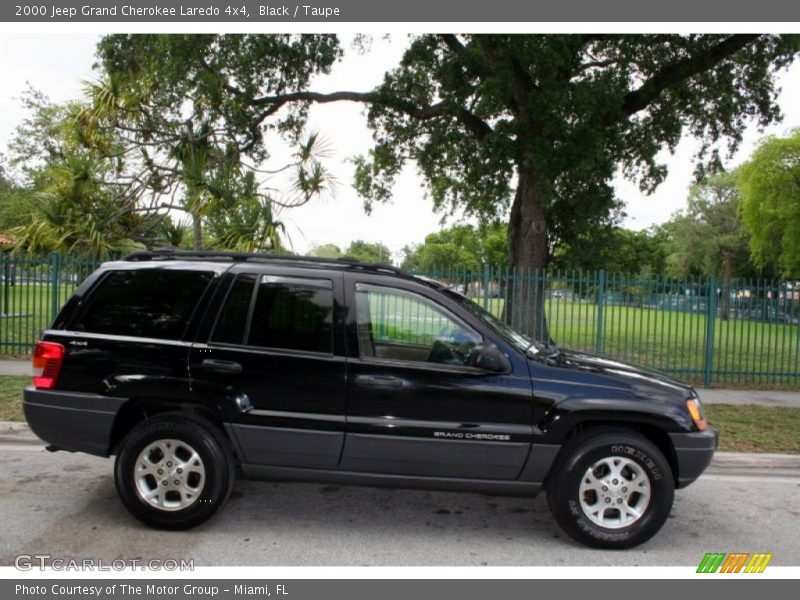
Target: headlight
x=696, y=411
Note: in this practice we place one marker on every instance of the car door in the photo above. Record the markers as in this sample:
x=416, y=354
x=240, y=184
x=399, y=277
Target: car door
x=413, y=405
x=276, y=345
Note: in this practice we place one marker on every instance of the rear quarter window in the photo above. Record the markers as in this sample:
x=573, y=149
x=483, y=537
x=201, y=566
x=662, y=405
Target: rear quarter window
x=154, y=303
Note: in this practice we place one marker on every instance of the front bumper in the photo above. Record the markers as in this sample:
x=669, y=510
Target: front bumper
x=73, y=421
x=693, y=452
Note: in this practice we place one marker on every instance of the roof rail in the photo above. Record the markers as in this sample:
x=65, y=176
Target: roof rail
x=178, y=254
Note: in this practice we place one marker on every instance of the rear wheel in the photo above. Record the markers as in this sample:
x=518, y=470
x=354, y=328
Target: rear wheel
x=611, y=489
x=174, y=471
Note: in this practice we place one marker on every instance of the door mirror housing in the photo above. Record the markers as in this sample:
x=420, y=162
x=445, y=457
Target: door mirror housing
x=488, y=357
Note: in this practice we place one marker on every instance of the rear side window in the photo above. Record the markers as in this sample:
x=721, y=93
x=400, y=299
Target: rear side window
x=154, y=303
x=293, y=314
x=233, y=316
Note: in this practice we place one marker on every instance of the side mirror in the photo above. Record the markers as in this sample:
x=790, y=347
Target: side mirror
x=488, y=357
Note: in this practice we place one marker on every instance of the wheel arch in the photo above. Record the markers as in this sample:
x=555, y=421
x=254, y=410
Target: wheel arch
x=596, y=425
x=137, y=410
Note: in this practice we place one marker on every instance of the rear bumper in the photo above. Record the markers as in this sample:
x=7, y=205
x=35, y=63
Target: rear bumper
x=72, y=421
x=694, y=452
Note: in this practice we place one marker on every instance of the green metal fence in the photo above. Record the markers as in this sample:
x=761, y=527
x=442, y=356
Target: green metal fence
x=743, y=333
x=32, y=291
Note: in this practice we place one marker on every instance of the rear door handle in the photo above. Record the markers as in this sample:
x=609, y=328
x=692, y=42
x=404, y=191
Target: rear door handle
x=221, y=366
x=383, y=382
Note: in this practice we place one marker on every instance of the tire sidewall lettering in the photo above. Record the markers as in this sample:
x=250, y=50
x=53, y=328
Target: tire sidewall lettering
x=639, y=456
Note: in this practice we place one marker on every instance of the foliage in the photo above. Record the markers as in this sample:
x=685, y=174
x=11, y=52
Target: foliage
x=326, y=251
x=559, y=114
x=15, y=202
x=770, y=184
x=615, y=249
x=70, y=189
x=461, y=247
x=186, y=109
x=708, y=238
x=164, y=129
x=369, y=252
x=244, y=221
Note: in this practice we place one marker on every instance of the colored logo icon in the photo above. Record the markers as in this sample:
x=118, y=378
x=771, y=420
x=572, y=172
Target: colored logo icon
x=735, y=562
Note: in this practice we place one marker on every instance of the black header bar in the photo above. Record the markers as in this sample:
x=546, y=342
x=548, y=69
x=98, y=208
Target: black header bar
x=417, y=11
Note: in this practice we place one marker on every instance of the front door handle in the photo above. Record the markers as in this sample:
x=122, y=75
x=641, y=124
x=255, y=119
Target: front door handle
x=379, y=382
x=228, y=367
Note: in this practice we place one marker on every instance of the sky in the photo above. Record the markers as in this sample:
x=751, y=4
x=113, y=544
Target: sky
x=59, y=64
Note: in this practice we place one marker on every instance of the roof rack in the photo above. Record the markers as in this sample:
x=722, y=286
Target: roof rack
x=177, y=254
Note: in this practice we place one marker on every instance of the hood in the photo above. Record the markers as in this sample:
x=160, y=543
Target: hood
x=595, y=370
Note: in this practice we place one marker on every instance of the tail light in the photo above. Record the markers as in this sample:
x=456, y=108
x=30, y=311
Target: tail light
x=47, y=359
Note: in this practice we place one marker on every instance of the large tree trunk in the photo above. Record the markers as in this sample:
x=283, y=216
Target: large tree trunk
x=527, y=258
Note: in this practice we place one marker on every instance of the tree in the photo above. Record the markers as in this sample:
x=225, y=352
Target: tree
x=70, y=190
x=709, y=238
x=326, y=251
x=15, y=201
x=244, y=221
x=538, y=125
x=615, y=249
x=369, y=252
x=180, y=105
x=459, y=248
x=770, y=184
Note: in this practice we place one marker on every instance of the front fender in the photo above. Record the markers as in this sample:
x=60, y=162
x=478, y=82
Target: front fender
x=564, y=416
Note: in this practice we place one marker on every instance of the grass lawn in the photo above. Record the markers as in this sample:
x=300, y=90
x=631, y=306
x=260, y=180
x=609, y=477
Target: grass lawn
x=745, y=428
x=752, y=428
x=11, y=396
x=30, y=309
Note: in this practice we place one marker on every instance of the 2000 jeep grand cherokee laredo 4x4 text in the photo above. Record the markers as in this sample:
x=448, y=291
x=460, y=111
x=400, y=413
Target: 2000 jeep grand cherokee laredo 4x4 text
x=193, y=367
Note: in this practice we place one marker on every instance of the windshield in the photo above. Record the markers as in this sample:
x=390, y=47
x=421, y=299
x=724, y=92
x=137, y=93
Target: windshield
x=524, y=343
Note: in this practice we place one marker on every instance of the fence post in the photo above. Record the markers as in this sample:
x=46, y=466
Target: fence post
x=55, y=272
x=6, y=283
x=486, y=287
x=711, y=321
x=601, y=312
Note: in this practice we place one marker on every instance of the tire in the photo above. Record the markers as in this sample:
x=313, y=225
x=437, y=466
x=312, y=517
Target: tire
x=199, y=459
x=593, y=509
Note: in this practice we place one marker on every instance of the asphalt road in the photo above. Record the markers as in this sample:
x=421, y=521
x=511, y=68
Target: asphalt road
x=65, y=505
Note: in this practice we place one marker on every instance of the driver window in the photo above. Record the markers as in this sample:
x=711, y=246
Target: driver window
x=398, y=325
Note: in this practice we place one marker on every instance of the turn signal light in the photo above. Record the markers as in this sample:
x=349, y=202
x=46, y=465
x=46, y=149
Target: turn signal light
x=696, y=412
x=47, y=359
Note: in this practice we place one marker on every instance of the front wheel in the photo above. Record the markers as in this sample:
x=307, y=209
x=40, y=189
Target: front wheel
x=611, y=490
x=174, y=471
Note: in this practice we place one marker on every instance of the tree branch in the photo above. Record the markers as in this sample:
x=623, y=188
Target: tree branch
x=453, y=43
x=441, y=109
x=680, y=71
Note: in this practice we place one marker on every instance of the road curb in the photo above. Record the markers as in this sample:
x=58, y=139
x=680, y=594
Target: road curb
x=755, y=465
x=724, y=463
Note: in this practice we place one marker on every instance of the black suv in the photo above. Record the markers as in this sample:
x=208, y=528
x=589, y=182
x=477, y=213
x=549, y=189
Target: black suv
x=193, y=367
